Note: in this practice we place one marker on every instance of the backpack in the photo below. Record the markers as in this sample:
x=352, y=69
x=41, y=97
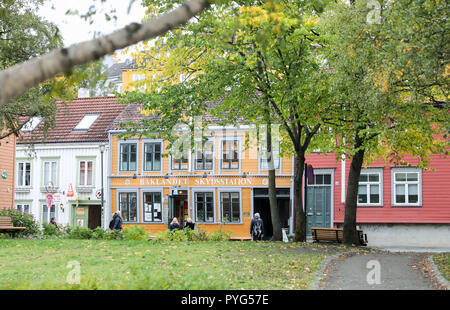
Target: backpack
x=111, y=224
x=257, y=227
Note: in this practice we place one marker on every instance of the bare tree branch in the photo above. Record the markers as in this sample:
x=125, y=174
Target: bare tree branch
x=18, y=79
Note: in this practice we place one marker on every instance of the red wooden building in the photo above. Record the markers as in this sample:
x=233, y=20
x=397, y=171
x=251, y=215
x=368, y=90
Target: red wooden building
x=396, y=205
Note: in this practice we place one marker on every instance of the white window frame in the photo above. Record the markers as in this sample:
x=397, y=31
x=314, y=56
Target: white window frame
x=194, y=161
x=22, y=206
x=86, y=161
x=262, y=158
x=146, y=141
x=394, y=171
x=50, y=161
x=378, y=171
x=24, y=174
x=232, y=139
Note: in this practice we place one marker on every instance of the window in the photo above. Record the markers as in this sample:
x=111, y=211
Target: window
x=230, y=154
x=128, y=206
x=369, y=187
x=127, y=156
x=264, y=164
x=152, y=207
x=50, y=172
x=152, y=156
x=137, y=78
x=24, y=174
x=180, y=160
x=204, y=157
x=48, y=213
x=86, y=168
x=204, y=207
x=86, y=122
x=230, y=206
x=24, y=208
x=32, y=124
x=406, y=187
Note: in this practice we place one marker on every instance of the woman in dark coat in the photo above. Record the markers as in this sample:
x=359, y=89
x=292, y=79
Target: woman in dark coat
x=190, y=224
x=174, y=225
x=117, y=221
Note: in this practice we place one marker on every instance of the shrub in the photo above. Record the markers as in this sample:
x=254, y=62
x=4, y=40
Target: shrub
x=165, y=235
x=219, y=235
x=179, y=235
x=20, y=219
x=98, y=233
x=51, y=230
x=113, y=235
x=78, y=232
x=135, y=233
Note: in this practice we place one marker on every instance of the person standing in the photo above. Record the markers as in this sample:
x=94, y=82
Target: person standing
x=116, y=222
x=257, y=227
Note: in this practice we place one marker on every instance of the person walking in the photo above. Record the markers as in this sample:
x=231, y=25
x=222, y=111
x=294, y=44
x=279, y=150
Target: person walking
x=174, y=225
x=257, y=227
x=116, y=222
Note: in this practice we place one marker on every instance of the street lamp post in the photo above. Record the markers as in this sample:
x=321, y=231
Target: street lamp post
x=102, y=150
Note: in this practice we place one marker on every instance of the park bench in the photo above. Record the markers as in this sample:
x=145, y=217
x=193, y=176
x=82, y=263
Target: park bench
x=334, y=235
x=7, y=226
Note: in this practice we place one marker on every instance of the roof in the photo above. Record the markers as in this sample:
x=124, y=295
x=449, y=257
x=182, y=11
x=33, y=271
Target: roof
x=116, y=69
x=70, y=114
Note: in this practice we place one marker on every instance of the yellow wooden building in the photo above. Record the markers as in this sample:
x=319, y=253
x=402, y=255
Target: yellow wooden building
x=219, y=186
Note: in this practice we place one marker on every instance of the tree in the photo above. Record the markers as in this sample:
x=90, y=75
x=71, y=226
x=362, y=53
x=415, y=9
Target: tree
x=259, y=59
x=383, y=93
x=16, y=80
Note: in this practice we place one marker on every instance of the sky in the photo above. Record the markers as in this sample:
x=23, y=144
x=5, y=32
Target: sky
x=75, y=29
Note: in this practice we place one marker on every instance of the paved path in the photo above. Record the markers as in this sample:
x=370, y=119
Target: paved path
x=397, y=271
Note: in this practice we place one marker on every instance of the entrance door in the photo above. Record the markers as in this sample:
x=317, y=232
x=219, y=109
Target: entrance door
x=261, y=205
x=178, y=207
x=318, y=208
x=94, y=217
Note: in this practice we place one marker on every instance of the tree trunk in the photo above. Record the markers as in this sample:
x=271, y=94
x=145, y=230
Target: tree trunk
x=300, y=215
x=274, y=212
x=350, y=234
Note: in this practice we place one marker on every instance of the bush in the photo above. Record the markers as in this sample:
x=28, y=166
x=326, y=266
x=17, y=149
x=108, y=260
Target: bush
x=135, y=233
x=51, y=230
x=113, y=235
x=179, y=235
x=98, y=233
x=165, y=235
x=78, y=232
x=219, y=235
x=20, y=219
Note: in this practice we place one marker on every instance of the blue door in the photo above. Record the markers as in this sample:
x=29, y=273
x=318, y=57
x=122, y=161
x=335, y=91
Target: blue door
x=318, y=208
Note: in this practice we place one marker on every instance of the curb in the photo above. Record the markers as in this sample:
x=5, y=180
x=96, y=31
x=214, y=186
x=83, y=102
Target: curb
x=315, y=285
x=439, y=277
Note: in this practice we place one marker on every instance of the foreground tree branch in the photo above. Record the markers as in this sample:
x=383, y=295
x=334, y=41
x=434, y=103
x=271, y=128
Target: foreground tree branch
x=16, y=80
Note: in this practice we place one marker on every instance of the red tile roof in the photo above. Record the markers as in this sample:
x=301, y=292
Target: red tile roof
x=70, y=114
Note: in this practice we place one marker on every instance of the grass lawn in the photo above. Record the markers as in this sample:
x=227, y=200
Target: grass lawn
x=43, y=264
x=442, y=262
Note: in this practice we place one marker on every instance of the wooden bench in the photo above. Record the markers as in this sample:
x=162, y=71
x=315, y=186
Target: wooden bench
x=7, y=226
x=334, y=235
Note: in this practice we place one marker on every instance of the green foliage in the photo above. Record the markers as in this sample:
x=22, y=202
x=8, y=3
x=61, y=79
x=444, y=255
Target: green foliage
x=98, y=233
x=136, y=233
x=113, y=235
x=219, y=235
x=20, y=219
x=77, y=232
x=49, y=229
